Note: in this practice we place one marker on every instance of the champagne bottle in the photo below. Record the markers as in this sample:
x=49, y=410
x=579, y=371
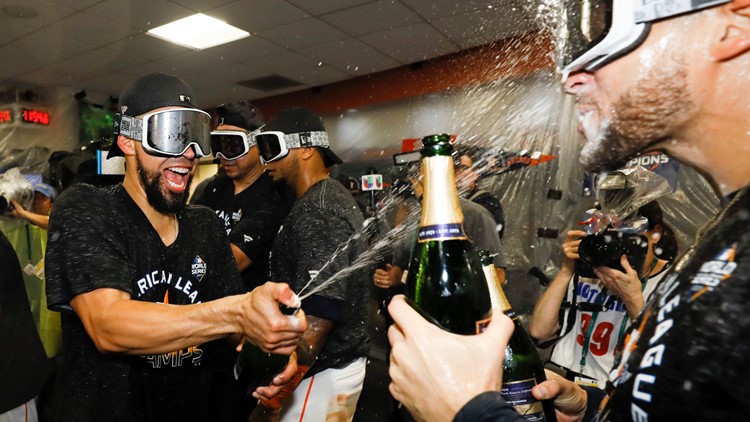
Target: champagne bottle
x=522, y=368
x=444, y=281
x=255, y=368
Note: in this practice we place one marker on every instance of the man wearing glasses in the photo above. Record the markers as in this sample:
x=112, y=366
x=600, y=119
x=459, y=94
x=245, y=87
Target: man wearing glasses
x=147, y=286
x=666, y=75
x=317, y=243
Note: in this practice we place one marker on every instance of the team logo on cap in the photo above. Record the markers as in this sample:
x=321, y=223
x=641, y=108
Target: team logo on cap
x=198, y=268
x=184, y=99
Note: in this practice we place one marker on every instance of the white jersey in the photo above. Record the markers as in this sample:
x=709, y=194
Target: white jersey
x=608, y=325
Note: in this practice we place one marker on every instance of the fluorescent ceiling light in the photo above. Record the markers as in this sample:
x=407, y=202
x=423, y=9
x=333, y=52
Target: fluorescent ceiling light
x=198, y=31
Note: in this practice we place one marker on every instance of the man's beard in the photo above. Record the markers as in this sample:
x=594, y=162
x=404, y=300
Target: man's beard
x=642, y=118
x=168, y=202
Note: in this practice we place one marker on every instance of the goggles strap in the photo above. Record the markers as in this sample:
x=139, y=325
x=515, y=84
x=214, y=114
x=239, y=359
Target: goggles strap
x=307, y=139
x=646, y=11
x=130, y=127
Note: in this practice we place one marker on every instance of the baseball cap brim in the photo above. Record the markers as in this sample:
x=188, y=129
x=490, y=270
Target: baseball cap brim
x=329, y=157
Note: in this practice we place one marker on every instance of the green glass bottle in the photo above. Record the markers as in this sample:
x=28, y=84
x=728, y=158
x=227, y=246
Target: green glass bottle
x=444, y=280
x=522, y=368
x=255, y=368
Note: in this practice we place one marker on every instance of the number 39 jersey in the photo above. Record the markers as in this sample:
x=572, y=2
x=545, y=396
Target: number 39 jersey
x=603, y=336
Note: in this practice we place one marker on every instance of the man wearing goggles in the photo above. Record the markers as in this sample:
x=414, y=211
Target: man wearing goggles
x=252, y=209
x=244, y=197
x=306, y=252
x=145, y=283
x=668, y=75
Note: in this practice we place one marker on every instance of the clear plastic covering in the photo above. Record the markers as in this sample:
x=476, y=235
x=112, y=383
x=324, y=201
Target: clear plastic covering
x=522, y=134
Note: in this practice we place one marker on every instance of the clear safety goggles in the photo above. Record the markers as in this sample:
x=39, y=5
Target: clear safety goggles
x=232, y=144
x=593, y=33
x=169, y=132
x=273, y=145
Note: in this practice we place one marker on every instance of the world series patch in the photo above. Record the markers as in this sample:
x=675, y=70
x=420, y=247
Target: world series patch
x=198, y=268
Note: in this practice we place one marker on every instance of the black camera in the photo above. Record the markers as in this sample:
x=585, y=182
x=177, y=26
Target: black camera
x=606, y=248
x=5, y=205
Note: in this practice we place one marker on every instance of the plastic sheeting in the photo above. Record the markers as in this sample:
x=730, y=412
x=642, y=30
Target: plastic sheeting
x=526, y=117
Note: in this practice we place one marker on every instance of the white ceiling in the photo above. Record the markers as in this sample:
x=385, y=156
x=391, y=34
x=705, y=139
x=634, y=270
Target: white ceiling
x=100, y=46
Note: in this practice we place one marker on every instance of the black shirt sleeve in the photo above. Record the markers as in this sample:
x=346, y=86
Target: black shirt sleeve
x=488, y=407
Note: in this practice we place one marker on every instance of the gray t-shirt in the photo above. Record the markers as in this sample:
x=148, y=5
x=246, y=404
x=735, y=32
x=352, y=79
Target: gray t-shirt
x=479, y=226
x=317, y=241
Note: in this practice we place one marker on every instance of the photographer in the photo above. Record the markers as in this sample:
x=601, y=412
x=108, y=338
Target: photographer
x=38, y=215
x=588, y=326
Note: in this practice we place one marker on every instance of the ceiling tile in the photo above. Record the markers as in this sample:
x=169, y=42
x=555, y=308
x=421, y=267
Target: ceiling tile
x=431, y=9
x=301, y=34
x=315, y=76
x=319, y=7
x=45, y=49
x=195, y=61
x=234, y=73
x=89, y=29
x=148, y=47
x=483, y=27
x=257, y=15
x=280, y=62
x=372, y=17
x=10, y=31
x=16, y=60
x=210, y=97
x=141, y=14
x=95, y=63
x=350, y=56
x=45, y=77
x=75, y=4
x=47, y=14
x=408, y=44
x=246, y=49
x=202, y=5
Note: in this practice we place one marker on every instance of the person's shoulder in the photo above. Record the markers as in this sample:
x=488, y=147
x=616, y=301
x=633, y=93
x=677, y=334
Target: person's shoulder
x=200, y=213
x=82, y=195
x=473, y=210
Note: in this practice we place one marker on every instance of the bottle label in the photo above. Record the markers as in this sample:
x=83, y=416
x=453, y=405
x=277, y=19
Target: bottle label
x=518, y=395
x=448, y=231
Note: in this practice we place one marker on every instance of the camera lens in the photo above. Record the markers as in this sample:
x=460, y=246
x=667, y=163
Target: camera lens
x=600, y=249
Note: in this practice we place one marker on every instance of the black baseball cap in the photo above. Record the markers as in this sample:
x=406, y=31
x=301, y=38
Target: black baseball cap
x=149, y=92
x=298, y=120
x=241, y=114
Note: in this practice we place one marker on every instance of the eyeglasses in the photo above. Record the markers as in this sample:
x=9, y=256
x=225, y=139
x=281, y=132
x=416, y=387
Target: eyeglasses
x=593, y=33
x=232, y=144
x=169, y=132
x=274, y=145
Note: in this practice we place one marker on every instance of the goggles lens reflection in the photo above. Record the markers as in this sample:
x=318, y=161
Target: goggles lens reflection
x=583, y=24
x=271, y=146
x=230, y=144
x=170, y=132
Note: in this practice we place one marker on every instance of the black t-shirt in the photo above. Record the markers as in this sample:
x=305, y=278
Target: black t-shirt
x=686, y=357
x=99, y=238
x=24, y=366
x=252, y=218
x=491, y=204
x=317, y=235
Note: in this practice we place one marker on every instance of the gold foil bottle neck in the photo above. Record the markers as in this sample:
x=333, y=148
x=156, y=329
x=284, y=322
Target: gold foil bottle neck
x=497, y=295
x=442, y=218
